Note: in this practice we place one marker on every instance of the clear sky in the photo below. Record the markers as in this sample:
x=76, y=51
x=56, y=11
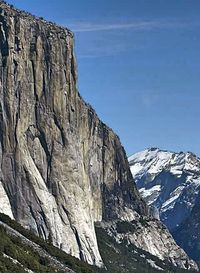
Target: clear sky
x=139, y=66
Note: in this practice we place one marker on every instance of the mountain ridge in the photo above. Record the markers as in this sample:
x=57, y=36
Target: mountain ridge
x=170, y=182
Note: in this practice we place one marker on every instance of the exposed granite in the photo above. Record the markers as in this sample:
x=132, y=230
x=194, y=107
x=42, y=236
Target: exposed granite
x=62, y=169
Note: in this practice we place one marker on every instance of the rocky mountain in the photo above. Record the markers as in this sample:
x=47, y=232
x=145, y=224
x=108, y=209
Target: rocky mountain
x=124, y=257
x=187, y=234
x=61, y=168
x=170, y=183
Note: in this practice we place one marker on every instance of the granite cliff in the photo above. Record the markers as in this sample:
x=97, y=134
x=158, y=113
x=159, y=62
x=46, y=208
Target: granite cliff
x=61, y=168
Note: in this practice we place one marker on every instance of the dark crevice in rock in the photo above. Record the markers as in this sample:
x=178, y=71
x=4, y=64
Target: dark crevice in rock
x=17, y=44
x=17, y=118
x=75, y=233
x=40, y=229
x=44, y=144
x=79, y=244
x=73, y=68
x=15, y=131
x=44, y=88
x=15, y=67
x=1, y=124
x=3, y=37
x=62, y=132
x=14, y=169
x=34, y=81
x=44, y=218
x=49, y=168
x=42, y=232
x=104, y=135
x=68, y=216
x=33, y=216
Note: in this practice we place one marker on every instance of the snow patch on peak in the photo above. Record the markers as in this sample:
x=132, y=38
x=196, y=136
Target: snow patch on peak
x=152, y=194
x=168, y=181
x=154, y=160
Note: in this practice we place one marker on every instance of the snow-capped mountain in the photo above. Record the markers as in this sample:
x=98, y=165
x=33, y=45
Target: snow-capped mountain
x=170, y=183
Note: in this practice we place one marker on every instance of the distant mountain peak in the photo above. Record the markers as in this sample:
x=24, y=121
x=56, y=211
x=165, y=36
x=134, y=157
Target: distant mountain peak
x=153, y=160
x=168, y=181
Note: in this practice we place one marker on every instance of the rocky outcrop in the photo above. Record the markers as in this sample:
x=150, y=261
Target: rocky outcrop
x=151, y=236
x=61, y=168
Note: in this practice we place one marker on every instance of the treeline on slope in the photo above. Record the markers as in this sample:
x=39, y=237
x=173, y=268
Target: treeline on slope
x=127, y=258
x=117, y=257
x=15, y=243
x=16, y=257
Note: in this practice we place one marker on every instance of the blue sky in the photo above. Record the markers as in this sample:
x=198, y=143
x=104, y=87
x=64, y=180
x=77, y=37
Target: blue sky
x=139, y=66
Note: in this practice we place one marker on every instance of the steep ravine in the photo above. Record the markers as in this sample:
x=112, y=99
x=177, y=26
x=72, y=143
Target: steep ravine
x=62, y=169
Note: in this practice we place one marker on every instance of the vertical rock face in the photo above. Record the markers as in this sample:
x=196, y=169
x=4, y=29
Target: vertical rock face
x=62, y=169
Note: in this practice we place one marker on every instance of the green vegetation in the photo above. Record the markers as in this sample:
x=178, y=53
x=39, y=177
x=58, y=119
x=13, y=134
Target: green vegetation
x=118, y=257
x=125, y=227
x=26, y=257
x=6, y=266
x=126, y=258
x=14, y=247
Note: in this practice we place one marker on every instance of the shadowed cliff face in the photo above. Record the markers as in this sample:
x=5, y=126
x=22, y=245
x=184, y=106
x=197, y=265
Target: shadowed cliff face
x=62, y=169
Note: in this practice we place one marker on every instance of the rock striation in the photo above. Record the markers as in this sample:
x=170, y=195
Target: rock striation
x=151, y=236
x=61, y=168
